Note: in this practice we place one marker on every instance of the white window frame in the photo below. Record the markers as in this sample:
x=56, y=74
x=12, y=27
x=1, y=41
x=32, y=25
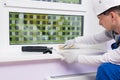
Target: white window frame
x=12, y=51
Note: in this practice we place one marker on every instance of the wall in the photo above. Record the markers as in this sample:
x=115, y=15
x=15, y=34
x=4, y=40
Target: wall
x=39, y=70
x=91, y=21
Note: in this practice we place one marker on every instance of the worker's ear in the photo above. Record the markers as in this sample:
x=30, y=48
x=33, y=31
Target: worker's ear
x=113, y=16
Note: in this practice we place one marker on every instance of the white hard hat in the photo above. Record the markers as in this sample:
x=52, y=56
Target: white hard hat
x=102, y=5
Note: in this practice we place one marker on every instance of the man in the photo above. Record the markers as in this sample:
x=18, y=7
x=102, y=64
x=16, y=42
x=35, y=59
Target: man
x=108, y=13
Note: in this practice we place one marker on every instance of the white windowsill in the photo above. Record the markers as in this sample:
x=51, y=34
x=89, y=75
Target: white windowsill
x=28, y=57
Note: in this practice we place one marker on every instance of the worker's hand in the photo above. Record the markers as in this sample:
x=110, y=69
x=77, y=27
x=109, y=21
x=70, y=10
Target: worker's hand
x=69, y=57
x=69, y=43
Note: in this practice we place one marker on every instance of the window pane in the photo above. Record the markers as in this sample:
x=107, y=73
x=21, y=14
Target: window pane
x=63, y=1
x=34, y=28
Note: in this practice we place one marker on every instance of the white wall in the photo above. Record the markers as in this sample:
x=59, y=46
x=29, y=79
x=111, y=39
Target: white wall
x=91, y=21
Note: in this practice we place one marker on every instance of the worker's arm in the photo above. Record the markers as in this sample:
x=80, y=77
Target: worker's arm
x=112, y=56
x=93, y=39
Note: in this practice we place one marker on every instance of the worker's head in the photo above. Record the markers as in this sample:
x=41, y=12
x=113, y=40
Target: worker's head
x=108, y=12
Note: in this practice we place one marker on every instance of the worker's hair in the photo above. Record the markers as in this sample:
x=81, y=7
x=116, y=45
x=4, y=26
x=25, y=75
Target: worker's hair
x=115, y=9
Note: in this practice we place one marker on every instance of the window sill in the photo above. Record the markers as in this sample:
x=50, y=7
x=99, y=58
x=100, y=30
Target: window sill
x=28, y=57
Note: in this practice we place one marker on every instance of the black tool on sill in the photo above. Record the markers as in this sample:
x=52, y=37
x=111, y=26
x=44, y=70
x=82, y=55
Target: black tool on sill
x=43, y=49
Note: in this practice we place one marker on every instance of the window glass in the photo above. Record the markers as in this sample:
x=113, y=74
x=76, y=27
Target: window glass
x=34, y=28
x=63, y=1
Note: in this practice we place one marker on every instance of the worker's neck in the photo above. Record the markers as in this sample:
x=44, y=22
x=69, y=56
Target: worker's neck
x=117, y=31
x=117, y=26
